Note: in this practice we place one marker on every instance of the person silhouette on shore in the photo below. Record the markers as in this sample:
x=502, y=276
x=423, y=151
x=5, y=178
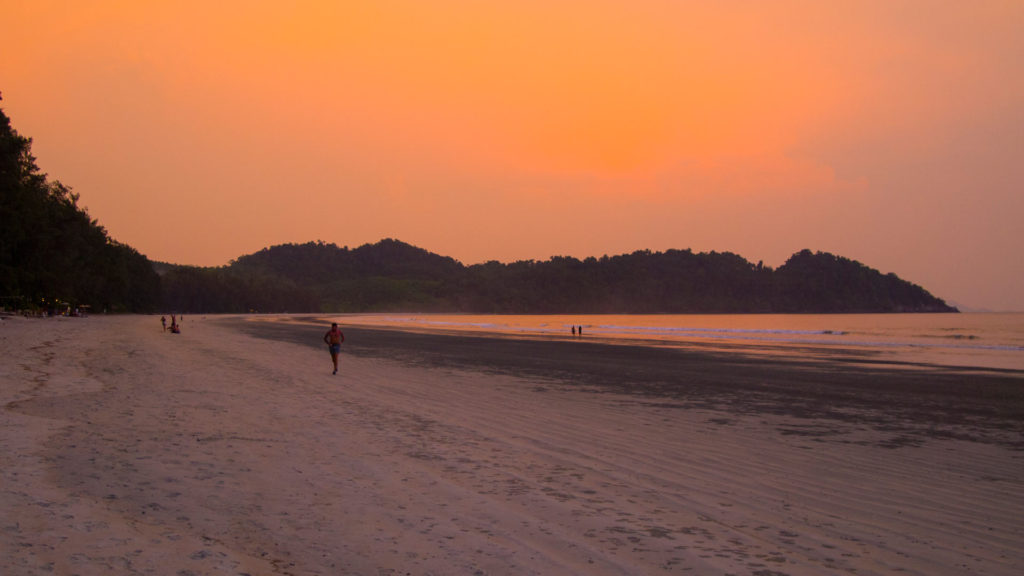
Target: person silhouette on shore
x=573, y=329
x=333, y=338
x=163, y=322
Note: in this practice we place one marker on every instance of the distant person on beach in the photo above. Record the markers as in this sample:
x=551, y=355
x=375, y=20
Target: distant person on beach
x=573, y=329
x=163, y=322
x=334, y=338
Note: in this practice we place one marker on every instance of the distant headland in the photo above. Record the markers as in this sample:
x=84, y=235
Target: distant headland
x=391, y=275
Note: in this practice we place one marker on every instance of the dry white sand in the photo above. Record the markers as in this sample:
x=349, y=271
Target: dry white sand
x=126, y=450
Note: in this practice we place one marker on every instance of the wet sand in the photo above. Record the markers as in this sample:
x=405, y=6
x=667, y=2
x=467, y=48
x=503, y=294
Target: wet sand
x=231, y=449
x=918, y=401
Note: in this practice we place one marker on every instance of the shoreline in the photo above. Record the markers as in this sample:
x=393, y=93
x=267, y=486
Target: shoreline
x=913, y=401
x=128, y=450
x=986, y=342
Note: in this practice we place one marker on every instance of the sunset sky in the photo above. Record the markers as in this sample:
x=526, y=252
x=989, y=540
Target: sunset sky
x=890, y=132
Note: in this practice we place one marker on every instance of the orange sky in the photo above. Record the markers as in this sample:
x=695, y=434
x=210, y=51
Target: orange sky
x=891, y=132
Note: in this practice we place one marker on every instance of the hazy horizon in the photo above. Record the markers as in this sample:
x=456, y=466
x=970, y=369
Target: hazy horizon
x=885, y=132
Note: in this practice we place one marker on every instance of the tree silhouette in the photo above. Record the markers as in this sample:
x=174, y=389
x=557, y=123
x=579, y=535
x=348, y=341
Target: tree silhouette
x=52, y=254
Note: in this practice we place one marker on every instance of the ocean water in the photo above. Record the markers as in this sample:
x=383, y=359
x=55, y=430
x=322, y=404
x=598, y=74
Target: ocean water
x=983, y=341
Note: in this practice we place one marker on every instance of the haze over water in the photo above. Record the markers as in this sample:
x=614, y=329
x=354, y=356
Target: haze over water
x=987, y=341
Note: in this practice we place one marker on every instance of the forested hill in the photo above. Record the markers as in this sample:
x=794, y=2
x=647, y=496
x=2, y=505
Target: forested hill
x=393, y=276
x=54, y=256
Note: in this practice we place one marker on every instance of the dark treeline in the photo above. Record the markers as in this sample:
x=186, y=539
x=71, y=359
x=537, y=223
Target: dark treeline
x=52, y=254
x=394, y=276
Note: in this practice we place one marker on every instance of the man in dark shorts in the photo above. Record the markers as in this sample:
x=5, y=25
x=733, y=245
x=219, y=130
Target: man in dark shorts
x=334, y=338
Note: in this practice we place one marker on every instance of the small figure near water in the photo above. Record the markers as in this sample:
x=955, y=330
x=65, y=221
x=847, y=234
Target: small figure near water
x=163, y=322
x=573, y=329
x=333, y=338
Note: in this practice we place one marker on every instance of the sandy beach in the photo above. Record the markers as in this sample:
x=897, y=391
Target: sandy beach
x=231, y=449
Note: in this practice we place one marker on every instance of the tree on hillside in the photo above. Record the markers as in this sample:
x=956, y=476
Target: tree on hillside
x=51, y=252
x=821, y=282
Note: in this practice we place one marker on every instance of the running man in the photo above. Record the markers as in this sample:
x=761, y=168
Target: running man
x=333, y=338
